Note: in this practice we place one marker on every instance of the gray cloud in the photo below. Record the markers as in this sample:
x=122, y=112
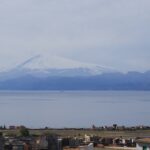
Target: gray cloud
x=112, y=33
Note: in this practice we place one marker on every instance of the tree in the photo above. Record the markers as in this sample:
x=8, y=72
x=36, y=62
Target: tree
x=24, y=132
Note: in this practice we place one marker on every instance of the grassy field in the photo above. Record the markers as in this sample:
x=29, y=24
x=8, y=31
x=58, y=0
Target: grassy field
x=125, y=134
x=71, y=133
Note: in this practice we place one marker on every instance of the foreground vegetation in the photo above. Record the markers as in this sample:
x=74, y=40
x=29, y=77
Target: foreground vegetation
x=81, y=133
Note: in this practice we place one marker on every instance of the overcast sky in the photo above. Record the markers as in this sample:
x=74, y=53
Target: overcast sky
x=112, y=33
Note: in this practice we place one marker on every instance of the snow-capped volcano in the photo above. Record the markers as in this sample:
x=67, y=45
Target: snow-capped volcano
x=47, y=65
x=55, y=65
x=46, y=72
x=43, y=62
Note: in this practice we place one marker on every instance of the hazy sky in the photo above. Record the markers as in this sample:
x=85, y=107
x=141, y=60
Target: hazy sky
x=113, y=33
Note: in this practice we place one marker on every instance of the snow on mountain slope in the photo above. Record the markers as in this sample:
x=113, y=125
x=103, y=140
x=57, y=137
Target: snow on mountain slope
x=50, y=64
x=47, y=65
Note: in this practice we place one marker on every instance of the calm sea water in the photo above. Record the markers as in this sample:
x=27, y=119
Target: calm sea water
x=74, y=109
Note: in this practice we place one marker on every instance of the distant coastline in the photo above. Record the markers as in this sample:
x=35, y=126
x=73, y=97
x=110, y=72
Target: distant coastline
x=108, y=81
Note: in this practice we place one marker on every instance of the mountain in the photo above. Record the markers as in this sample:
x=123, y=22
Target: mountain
x=46, y=66
x=45, y=72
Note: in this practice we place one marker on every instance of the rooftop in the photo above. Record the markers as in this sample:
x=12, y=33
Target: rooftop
x=144, y=140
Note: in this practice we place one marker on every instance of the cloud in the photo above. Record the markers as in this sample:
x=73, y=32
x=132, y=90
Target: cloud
x=112, y=33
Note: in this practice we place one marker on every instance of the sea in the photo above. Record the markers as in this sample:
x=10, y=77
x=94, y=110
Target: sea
x=74, y=109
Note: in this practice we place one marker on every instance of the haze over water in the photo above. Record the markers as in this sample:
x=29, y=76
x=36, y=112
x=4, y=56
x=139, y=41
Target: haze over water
x=74, y=108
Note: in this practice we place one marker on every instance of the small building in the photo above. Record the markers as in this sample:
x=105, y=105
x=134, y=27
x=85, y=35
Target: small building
x=54, y=143
x=84, y=147
x=12, y=127
x=87, y=139
x=143, y=144
x=74, y=142
x=18, y=146
x=42, y=143
x=88, y=147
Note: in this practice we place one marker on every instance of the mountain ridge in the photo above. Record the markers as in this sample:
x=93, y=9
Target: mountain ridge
x=40, y=73
x=106, y=81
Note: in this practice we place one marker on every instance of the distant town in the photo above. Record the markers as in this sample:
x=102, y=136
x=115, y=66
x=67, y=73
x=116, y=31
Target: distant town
x=93, y=138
